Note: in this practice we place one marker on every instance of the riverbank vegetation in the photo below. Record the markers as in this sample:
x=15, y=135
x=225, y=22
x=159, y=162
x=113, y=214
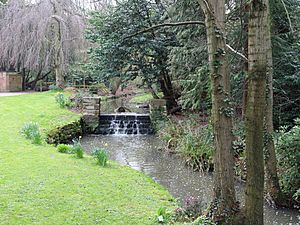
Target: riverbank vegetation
x=233, y=64
x=40, y=185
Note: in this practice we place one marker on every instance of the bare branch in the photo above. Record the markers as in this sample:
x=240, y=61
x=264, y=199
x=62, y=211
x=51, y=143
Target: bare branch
x=236, y=52
x=287, y=15
x=167, y=25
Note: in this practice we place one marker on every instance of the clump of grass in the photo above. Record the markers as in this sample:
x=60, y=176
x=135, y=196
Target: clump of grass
x=31, y=131
x=62, y=100
x=77, y=149
x=193, y=142
x=101, y=156
x=63, y=148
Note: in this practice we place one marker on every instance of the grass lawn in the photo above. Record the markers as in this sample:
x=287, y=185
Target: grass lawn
x=144, y=98
x=40, y=186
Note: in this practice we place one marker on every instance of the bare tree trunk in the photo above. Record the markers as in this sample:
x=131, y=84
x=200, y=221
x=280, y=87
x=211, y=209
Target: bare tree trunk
x=59, y=58
x=152, y=91
x=32, y=84
x=23, y=78
x=257, y=56
x=224, y=204
x=272, y=181
x=245, y=66
x=168, y=92
x=59, y=72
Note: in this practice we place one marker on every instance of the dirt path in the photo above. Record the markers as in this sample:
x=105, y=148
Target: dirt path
x=2, y=94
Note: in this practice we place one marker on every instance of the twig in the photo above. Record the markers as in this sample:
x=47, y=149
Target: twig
x=236, y=52
x=288, y=15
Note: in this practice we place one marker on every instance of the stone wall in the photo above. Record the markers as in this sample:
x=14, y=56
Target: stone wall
x=91, y=106
x=91, y=112
x=10, y=81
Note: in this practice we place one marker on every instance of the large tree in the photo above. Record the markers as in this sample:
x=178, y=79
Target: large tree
x=41, y=36
x=258, y=38
x=224, y=204
x=119, y=49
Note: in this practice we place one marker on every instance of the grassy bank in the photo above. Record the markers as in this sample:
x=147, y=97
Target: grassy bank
x=143, y=98
x=40, y=186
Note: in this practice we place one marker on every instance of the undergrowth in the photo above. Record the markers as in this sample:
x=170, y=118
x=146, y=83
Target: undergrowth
x=190, y=140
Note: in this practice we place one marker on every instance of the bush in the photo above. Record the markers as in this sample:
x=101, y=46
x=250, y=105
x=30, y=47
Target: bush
x=101, y=156
x=32, y=132
x=62, y=148
x=192, y=141
x=62, y=100
x=77, y=149
x=288, y=156
x=53, y=87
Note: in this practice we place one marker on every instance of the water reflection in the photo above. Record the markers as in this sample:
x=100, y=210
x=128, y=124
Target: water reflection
x=109, y=106
x=142, y=153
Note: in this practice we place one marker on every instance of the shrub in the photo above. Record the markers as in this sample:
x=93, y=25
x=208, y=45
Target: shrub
x=31, y=131
x=53, y=87
x=288, y=156
x=101, y=156
x=77, y=149
x=62, y=148
x=192, y=141
x=62, y=100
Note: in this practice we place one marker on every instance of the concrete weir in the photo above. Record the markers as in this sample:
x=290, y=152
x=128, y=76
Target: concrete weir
x=124, y=123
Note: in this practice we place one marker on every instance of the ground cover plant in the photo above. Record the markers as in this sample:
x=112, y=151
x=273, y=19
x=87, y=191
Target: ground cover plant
x=39, y=185
x=63, y=148
x=62, y=100
x=31, y=131
x=101, y=156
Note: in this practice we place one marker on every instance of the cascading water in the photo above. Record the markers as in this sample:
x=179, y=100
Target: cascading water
x=124, y=123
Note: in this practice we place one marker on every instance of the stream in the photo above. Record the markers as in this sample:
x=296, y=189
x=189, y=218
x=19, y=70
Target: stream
x=142, y=153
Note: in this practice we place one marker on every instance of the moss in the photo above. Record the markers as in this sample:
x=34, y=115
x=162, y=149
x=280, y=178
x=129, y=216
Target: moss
x=64, y=133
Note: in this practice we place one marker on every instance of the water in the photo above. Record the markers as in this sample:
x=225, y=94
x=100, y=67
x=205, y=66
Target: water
x=144, y=154
x=110, y=105
x=124, y=123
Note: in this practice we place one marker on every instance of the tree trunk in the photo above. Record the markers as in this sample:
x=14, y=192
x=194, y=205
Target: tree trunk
x=59, y=72
x=23, y=78
x=59, y=54
x=245, y=64
x=272, y=181
x=255, y=113
x=152, y=91
x=224, y=203
x=168, y=92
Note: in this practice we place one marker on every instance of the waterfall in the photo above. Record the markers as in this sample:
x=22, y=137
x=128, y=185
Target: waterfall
x=124, y=123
